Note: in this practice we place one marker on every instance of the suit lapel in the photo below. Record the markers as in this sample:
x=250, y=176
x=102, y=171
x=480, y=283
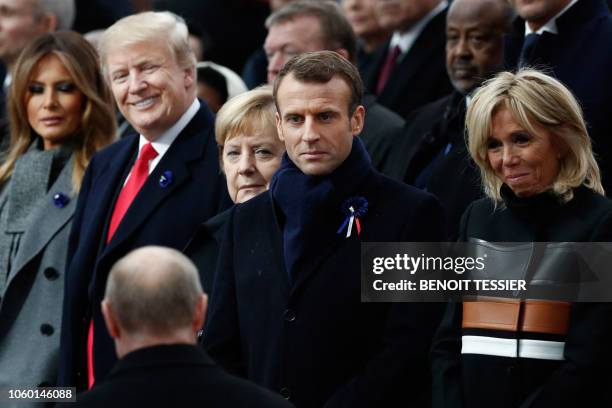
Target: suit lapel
x=313, y=264
x=276, y=240
x=47, y=219
x=414, y=61
x=188, y=146
x=430, y=142
x=371, y=72
x=109, y=184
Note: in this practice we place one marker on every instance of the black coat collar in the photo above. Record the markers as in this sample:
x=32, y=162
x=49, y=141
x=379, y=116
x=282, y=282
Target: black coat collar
x=161, y=355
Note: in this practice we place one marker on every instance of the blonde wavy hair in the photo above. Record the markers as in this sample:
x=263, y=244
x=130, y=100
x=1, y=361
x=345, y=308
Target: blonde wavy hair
x=533, y=98
x=98, y=124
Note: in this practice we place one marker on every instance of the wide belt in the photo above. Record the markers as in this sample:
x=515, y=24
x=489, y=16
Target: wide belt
x=535, y=316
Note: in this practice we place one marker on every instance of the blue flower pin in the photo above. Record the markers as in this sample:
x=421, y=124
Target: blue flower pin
x=60, y=200
x=353, y=208
x=166, y=179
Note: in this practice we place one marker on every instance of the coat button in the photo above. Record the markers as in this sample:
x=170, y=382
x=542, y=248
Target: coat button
x=285, y=392
x=510, y=370
x=51, y=273
x=46, y=329
x=289, y=315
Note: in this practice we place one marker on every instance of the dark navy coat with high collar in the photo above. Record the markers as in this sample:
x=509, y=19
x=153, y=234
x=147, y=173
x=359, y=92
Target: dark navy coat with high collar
x=314, y=341
x=163, y=213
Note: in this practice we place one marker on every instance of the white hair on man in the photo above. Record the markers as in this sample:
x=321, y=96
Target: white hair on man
x=155, y=27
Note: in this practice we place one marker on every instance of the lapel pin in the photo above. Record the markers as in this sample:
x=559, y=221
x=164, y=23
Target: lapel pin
x=60, y=200
x=353, y=208
x=165, y=179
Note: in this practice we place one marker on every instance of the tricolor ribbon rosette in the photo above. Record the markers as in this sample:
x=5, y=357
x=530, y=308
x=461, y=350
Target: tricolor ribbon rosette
x=354, y=208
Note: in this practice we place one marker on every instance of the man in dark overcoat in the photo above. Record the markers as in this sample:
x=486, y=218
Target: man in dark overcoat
x=153, y=308
x=408, y=70
x=286, y=308
x=154, y=187
x=431, y=153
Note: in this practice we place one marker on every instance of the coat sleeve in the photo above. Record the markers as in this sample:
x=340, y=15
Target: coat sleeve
x=73, y=288
x=399, y=372
x=584, y=378
x=221, y=337
x=447, y=389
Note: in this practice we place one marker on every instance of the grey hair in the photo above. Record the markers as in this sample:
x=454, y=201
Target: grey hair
x=64, y=10
x=153, y=290
x=336, y=31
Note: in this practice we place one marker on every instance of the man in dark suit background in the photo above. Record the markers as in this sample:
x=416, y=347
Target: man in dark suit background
x=151, y=188
x=303, y=26
x=431, y=153
x=153, y=308
x=286, y=308
x=408, y=71
x=572, y=40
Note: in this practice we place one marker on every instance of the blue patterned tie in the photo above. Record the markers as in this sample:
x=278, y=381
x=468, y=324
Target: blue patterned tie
x=528, y=45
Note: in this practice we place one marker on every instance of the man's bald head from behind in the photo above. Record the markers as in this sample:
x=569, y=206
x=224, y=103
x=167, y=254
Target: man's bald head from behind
x=153, y=296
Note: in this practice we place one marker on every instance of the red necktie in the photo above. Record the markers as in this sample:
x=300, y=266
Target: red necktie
x=138, y=176
x=387, y=68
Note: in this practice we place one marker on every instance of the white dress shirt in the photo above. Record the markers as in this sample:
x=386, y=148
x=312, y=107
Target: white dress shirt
x=551, y=25
x=162, y=143
x=406, y=39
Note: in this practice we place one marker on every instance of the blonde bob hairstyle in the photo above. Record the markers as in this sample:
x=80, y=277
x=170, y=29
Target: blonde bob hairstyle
x=247, y=113
x=97, y=126
x=157, y=28
x=534, y=99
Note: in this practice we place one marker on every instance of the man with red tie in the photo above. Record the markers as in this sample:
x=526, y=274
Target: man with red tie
x=154, y=187
x=408, y=71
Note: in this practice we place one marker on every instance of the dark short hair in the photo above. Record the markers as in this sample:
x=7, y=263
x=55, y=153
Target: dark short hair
x=336, y=31
x=320, y=67
x=215, y=80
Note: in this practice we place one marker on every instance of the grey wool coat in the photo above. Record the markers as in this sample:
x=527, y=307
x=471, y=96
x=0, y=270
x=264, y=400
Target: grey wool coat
x=31, y=305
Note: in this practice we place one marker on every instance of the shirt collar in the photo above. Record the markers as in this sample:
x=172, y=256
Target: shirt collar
x=162, y=143
x=468, y=100
x=7, y=81
x=551, y=25
x=405, y=40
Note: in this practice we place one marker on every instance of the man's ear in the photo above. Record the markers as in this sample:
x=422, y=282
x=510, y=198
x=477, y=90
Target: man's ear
x=279, y=128
x=343, y=52
x=357, y=120
x=111, y=322
x=199, y=315
x=48, y=23
x=190, y=77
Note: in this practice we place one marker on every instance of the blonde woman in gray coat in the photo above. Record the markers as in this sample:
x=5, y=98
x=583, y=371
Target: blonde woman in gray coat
x=60, y=113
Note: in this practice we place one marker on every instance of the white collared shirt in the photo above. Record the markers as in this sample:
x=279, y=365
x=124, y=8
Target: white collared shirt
x=405, y=40
x=551, y=25
x=162, y=143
